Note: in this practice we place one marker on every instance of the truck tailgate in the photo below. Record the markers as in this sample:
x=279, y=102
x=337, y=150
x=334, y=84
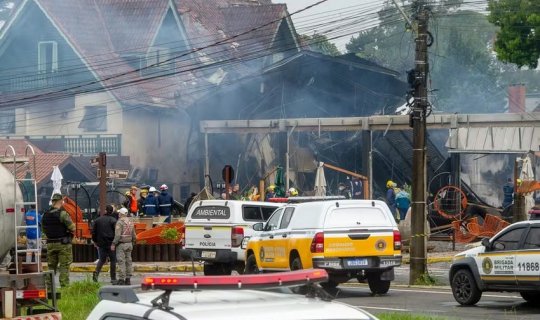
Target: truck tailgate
x=208, y=237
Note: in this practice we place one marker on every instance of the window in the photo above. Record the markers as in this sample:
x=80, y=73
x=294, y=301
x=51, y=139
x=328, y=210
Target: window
x=95, y=119
x=508, y=241
x=7, y=121
x=273, y=223
x=159, y=57
x=47, y=56
x=267, y=212
x=533, y=239
x=252, y=213
x=287, y=216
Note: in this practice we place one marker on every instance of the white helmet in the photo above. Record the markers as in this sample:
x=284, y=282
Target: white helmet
x=152, y=189
x=163, y=187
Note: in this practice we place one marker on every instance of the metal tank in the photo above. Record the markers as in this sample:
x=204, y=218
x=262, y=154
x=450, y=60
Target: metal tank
x=7, y=219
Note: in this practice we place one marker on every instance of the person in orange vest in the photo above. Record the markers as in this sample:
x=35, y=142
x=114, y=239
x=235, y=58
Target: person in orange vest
x=131, y=202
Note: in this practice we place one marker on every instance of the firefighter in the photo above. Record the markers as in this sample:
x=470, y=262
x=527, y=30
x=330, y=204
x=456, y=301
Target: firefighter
x=151, y=205
x=165, y=201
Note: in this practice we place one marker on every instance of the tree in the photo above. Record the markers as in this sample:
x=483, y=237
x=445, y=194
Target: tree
x=518, y=39
x=319, y=43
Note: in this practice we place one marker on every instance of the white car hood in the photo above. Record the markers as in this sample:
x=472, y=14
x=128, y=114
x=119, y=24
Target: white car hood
x=471, y=252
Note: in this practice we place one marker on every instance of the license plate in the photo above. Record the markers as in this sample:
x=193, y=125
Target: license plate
x=208, y=254
x=360, y=262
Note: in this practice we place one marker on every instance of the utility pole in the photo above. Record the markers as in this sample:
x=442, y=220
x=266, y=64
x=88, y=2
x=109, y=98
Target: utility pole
x=102, y=182
x=418, y=80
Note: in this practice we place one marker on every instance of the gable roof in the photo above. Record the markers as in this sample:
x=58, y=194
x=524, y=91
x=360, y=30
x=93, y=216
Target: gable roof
x=104, y=32
x=19, y=145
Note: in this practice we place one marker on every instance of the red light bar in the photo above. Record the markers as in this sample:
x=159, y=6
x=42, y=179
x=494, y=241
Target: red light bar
x=10, y=210
x=278, y=200
x=236, y=282
x=31, y=294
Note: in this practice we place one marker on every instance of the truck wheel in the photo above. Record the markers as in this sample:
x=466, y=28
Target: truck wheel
x=251, y=265
x=296, y=264
x=532, y=297
x=464, y=288
x=210, y=269
x=217, y=269
x=376, y=285
x=330, y=284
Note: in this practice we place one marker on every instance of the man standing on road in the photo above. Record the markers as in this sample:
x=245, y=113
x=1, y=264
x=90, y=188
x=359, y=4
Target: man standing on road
x=58, y=229
x=102, y=237
x=124, y=240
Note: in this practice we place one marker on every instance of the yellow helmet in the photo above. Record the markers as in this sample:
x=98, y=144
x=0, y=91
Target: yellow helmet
x=293, y=192
x=127, y=193
x=271, y=187
x=390, y=184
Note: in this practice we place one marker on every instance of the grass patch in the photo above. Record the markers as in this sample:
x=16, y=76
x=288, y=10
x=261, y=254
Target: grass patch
x=78, y=299
x=407, y=316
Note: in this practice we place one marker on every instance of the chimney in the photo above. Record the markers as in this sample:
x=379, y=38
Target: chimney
x=516, y=98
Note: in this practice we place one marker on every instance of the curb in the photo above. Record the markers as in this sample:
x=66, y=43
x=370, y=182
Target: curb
x=140, y=268
x=430, y=260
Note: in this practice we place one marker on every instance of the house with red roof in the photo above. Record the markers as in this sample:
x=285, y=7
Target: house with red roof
x=86, y=76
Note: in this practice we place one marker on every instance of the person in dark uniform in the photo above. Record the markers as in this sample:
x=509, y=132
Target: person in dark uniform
x=102, y=237
x=508, y=193
x=165, y=201
x=58, y=229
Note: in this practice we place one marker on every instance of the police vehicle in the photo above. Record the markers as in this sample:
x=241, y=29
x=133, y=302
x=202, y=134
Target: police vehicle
x=224, y=298
x=509, y=261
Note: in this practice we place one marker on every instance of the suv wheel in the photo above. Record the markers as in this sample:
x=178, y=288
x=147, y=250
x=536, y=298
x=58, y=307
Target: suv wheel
x=376, y=285
x=464, y=288
x=532, y=297
x=251, y=265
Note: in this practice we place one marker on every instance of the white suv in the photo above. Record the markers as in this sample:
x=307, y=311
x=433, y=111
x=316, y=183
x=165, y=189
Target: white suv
x=218, y=298
x=510, y=261
x=215, y=232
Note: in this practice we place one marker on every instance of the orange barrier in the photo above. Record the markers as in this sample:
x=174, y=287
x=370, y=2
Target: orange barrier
x=470, y=230
x=83, y=231
x=156, y=234
x=461, y=236
x=74, y=211
x=140, y=227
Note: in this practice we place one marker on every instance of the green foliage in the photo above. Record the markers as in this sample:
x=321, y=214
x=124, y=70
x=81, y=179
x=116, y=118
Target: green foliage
x=518, y=39
x=406, y=316
x=170, y=234
x=425, y=280
x=464, y=76
x=78, y=299
x=319, y=43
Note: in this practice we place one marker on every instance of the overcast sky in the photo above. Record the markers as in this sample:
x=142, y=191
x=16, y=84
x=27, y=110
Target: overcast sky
x=325, y=9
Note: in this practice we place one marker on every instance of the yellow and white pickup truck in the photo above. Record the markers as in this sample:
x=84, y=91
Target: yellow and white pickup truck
x=348, y=238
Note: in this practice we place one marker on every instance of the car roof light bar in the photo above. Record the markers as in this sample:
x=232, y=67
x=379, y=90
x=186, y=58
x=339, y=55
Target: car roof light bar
x=292, y=278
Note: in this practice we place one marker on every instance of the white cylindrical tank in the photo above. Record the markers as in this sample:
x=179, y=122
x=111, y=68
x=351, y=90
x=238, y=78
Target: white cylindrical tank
x=7, y=219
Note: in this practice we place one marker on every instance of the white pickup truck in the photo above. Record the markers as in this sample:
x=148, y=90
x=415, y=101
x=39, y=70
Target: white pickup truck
x=216, y=232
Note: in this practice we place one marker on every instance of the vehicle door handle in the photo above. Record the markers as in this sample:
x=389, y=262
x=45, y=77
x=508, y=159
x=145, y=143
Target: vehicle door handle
x=271, y=236
x=284, y=235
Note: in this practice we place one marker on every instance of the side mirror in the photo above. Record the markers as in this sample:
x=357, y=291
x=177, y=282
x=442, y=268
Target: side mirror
x=258, y=226
x=485, y=243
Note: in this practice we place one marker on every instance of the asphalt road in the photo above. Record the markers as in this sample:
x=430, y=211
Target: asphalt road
x=438, y=302
x=435, y=301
